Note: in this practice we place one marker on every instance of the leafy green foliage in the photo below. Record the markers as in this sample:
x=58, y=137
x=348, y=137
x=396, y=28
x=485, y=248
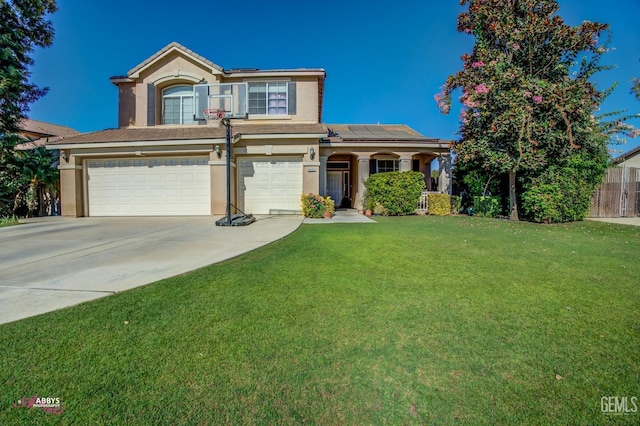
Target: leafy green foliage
x=316, y=206
x=25, y=176
x=23, y=27
x=397, y=192
x=456, y=204
x=486, y=206
x=8, y=221
x=312, y=205
x=527, y=104
x=562, y=193
x=439, y=204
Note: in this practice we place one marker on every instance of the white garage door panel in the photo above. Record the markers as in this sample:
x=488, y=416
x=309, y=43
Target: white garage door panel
x=156, y=187
x=270, y=185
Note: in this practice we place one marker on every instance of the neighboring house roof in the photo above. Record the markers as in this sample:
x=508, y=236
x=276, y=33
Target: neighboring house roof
x=626, y=156
x=40, y=133
x=46, y=129
x=142, y=134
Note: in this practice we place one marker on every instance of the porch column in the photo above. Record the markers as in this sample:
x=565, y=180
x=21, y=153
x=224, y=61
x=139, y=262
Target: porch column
x=363, y=174
x=406, y=164
x=444, y=181
x=323, y=175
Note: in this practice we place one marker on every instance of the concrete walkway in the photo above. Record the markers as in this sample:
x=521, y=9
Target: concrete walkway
x=342, y=216
x=52, y=263
x=635, y=221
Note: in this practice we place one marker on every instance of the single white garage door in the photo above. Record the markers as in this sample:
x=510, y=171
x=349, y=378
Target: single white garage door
x=270, y=185
x=149, y=187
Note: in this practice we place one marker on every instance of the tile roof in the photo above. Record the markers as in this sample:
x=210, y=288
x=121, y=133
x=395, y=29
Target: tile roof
x=627, y=155
x=374, y=132
x=46, y=129
x=186, y=133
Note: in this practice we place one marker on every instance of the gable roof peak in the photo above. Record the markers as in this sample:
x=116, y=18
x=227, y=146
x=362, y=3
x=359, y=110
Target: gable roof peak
x=169, y=48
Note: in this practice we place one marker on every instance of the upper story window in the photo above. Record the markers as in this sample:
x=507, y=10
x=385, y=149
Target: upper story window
x=177, y=105
x=270, y=98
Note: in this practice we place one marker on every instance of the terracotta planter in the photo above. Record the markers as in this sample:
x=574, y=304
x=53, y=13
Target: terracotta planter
x=367, y=212
x=327, y=215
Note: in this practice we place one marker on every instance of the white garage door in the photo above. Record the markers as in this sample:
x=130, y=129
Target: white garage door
x=149, y=187
x=270, y=186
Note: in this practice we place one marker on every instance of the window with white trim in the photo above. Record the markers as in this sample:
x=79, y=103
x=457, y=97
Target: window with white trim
x=383, y=166
x=268, y=98
x=177, y=105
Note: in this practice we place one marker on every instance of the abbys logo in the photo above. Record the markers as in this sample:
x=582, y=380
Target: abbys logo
x=619, y=405
x=49, y=405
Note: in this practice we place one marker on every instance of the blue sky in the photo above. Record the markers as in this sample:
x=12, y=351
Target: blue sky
x=402, y=52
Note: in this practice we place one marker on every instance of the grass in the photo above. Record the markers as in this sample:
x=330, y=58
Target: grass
x=8, y=221
x=423, y=320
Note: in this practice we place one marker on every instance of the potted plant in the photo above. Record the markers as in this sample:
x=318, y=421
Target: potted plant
x=329, y=207
x=367, y=203
x=368, y=206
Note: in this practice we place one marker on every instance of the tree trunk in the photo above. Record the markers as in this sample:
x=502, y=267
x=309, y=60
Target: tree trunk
x=513, y=202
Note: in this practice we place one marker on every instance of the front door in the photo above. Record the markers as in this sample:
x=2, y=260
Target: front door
x=334, y=186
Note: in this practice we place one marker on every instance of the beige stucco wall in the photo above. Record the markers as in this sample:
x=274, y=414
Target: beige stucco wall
x=126, y=104
x=307, y=100
x=71, y=186
x=171, y=70
x=631, y=162
x=177, y=68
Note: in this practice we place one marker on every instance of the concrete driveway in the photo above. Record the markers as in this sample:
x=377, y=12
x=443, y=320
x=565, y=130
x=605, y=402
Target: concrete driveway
x=52, y=263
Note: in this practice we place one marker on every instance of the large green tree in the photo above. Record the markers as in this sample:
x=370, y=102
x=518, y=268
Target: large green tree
x=23, y=27
x=528, y=105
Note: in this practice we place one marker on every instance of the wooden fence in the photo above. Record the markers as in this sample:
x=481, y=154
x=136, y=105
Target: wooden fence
x=619, y=194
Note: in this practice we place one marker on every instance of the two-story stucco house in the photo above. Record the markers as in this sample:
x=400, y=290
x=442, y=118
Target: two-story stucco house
x=164, y=160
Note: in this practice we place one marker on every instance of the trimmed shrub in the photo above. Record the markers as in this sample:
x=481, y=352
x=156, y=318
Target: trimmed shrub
x=560, y=195
x=487, y=206
x=397, y=193
x=439, y=204
x=312, y=205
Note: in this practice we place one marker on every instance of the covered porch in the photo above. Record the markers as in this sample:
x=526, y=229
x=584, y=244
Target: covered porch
x=352, y=153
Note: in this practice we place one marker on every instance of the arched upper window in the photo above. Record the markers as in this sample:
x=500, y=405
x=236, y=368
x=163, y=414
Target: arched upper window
x=177, y=105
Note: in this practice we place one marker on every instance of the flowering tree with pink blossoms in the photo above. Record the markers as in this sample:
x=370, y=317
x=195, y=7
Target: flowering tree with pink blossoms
x=528, y=106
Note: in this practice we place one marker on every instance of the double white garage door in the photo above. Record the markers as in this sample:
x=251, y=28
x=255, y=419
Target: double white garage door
x=149, y=187
x=182, y=186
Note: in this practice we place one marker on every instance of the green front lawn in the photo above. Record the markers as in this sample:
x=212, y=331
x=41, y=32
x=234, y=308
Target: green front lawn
x=450, y=320
x=8, y=221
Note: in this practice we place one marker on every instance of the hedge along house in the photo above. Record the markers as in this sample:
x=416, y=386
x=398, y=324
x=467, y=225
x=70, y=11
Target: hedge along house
x=164, y=160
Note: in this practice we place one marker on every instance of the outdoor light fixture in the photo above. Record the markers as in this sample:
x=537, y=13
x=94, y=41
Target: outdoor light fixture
x=217, y=150
x=63, y=155
x=312, y=153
